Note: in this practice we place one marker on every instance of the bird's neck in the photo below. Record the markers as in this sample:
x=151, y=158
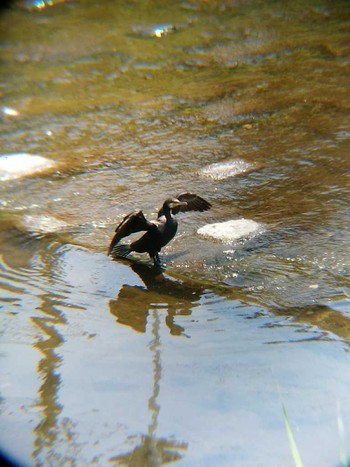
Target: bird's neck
x=168, y=215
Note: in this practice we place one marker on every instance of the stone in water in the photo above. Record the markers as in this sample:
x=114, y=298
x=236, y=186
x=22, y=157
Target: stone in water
x=231, y=230
x=19, y=165
x=222, y=170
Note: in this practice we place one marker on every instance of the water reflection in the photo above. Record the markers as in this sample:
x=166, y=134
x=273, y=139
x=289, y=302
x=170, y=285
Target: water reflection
x=47, y=431
x=138, y=307
x=134, y=303
x=153, y=451
x=323, y=317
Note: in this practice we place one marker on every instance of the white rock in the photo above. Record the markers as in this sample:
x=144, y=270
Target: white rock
x=222, y=170
x=231, y=230
x=19, y=165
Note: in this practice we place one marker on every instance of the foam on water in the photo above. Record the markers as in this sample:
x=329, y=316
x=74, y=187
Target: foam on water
x=231, y=230
x=222, y=170
x=19, y=165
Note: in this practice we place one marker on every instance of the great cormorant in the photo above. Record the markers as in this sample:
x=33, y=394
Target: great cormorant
x=158, y=232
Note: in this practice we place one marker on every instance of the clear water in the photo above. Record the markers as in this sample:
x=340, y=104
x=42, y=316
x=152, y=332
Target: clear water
x=107, y=361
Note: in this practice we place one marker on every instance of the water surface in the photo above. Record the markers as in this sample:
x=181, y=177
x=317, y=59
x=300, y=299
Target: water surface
x=114, y=362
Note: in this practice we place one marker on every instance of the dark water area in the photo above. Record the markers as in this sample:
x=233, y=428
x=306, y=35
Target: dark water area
x=246, y=103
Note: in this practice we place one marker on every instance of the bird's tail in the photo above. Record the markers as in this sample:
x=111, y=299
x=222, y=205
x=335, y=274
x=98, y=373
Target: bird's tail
x=120, y=251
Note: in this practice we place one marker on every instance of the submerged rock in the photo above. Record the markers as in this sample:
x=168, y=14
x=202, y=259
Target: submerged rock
x=43, y=224
x=231, y=230
x=19, y=165
x=222, y=170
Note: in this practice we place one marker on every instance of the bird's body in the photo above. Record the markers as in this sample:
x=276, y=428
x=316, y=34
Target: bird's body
x=158, y=232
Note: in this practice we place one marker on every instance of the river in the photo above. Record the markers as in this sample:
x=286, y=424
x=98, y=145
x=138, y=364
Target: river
x=245, y=103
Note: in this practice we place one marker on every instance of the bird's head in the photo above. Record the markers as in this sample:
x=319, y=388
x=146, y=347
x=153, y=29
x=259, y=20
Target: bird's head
x=170, y=204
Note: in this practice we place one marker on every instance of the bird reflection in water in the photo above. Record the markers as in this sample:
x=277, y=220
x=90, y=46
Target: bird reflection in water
x=136, y=307
x=134, y=303
x=151, y=450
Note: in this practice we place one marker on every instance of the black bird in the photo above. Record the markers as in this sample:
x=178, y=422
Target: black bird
x=158, y=232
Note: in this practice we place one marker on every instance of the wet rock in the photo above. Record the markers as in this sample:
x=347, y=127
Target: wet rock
x=43, y=224
x=231, y=230
x=222, y=170
x=19, y=165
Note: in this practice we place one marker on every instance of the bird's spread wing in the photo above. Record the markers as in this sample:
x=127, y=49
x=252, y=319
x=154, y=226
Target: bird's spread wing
x=194, y=203
x=133, y=222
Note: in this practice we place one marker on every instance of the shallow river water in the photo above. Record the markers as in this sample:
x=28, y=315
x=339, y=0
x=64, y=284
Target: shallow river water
x=106, y=362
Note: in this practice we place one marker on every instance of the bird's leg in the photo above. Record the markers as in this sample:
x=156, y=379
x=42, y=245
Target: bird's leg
x=156, y=260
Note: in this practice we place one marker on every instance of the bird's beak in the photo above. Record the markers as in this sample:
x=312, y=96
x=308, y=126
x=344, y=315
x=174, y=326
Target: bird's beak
x=177, y=204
